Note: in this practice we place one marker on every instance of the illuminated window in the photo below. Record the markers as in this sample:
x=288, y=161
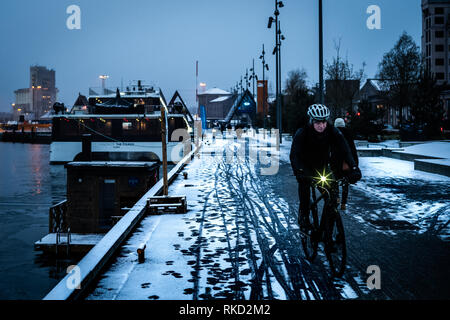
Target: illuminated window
x=127, y=126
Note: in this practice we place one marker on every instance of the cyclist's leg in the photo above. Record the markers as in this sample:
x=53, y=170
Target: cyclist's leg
x=344, y=196
x=330, y=213
x=304, y=194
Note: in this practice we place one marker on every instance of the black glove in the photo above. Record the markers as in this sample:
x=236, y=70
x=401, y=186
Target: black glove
x=354, y=176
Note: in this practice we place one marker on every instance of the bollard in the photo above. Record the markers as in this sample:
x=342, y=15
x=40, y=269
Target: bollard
x=141, y=253
x=86, y=147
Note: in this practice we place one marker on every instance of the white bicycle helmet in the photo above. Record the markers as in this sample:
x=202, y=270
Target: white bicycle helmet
x=318, y=112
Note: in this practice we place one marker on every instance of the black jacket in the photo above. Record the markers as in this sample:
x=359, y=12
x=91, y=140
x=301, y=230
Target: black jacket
x=348, y=135
x=312, y=152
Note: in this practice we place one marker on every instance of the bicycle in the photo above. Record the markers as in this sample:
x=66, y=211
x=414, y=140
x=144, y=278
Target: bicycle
x=329, y=230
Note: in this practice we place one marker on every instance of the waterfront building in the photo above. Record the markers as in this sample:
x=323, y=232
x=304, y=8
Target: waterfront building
x=216, y=102
x=23, y=104
x=36, y=100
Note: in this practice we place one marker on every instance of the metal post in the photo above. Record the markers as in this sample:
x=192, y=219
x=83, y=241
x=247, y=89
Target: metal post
x=253, y=77
x=280, y=84
x=264, y=91
x=276, y=64
x=164, y=150
x=321, y=84
x=86, y=147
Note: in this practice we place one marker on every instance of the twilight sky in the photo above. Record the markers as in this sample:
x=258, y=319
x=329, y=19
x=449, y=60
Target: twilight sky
x=159, y=41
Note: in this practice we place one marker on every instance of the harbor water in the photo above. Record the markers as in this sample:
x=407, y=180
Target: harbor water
x=29, y=185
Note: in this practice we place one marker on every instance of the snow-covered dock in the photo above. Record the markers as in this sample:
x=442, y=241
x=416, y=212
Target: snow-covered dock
x=79, y=243
x=91, y=264
x=239, y=238
x=237, y=241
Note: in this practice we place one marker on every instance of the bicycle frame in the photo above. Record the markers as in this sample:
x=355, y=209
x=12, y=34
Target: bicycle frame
x=323, y=230
x=326, y=196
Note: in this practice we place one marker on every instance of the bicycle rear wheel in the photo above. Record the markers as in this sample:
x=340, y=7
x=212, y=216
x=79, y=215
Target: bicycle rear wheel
x=335, y=248
x=310, y=235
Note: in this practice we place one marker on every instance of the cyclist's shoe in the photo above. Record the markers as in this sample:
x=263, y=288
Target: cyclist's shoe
x=343, y=206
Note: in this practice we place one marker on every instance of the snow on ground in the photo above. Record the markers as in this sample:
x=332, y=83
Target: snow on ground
x=443, y=162
x=234, y=223
x=418, y=198
x=430, y=149
x=217, y=249
x=377, y=145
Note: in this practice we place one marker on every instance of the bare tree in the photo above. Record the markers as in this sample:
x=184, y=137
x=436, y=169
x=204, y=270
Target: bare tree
x=342, y=83
x=297, y=99
x=399, y=71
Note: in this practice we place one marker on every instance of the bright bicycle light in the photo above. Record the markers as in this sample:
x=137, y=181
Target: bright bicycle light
x=323, y=178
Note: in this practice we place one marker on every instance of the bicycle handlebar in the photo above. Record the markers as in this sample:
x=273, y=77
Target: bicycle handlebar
x=318, y=180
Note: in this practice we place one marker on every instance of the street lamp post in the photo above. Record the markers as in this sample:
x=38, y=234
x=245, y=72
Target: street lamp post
x=276, y=51
x=280, y=38
x=264, y=66
x=103, y=77
x=321, y=84
x=253, y=77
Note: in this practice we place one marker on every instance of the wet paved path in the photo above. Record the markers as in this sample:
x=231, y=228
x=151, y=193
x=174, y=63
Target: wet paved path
x=239, y=240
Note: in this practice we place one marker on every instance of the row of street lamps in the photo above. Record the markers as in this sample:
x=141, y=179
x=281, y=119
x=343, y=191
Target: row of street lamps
x=279, y=37
x=277, y=52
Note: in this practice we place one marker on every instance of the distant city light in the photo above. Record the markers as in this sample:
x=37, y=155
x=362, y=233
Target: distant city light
x=202, y=84
x=103, y=77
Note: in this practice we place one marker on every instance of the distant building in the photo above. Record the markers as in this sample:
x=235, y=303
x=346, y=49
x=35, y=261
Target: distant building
x=5, y=117
x=43, y=86
x=38, y=99
x=435, y=37
x=23, y=105
x=223, y=107
x=216, y=103
x=242, y=111
x=436, y=44
x=81, y=105
x=374, y=93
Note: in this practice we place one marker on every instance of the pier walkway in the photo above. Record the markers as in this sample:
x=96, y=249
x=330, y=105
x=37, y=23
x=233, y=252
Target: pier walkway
x=237, y=241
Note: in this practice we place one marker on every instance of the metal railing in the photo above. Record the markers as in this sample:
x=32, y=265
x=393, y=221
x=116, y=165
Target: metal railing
x=58, y=217
x=58, y=224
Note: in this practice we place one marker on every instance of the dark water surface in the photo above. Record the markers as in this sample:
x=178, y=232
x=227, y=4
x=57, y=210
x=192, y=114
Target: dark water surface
x=28, y=187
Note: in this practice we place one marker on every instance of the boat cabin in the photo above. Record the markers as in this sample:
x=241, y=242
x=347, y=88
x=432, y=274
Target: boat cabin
x=99, y=193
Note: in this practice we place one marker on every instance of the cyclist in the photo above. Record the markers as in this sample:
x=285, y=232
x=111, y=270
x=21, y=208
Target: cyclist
x=340, y=124
x=316, y=147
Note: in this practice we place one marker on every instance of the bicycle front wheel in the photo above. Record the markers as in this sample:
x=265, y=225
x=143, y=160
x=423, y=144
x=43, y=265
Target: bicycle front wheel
x=335, y=247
